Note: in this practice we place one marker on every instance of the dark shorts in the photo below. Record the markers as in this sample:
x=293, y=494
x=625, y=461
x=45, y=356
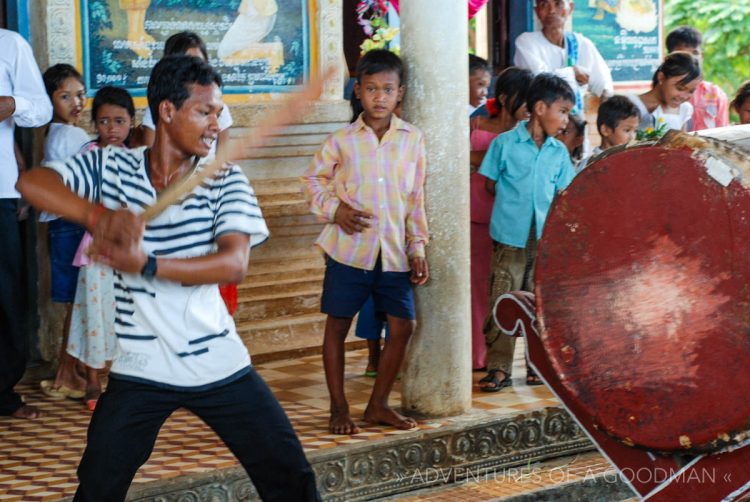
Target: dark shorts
x=64, y=238
x=345, y=290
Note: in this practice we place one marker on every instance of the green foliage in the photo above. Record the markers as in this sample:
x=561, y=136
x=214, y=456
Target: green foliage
x=726, y=39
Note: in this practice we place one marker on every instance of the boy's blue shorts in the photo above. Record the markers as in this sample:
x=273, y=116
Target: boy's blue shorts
x=345, y=290
x=64, y=238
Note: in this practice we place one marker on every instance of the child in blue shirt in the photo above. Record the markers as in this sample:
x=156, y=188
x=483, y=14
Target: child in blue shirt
x=525, y=167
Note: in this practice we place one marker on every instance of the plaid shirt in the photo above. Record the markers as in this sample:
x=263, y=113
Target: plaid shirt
x=385, y=179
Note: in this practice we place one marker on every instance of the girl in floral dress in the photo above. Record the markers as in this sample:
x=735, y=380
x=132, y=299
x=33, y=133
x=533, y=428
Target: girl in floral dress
x=92, y=327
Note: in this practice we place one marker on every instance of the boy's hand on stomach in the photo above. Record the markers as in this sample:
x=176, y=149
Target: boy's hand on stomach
x=419, y=271
x=351, y=220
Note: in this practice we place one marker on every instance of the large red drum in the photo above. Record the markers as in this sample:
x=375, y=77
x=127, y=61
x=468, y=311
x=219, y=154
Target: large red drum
x=643, y=297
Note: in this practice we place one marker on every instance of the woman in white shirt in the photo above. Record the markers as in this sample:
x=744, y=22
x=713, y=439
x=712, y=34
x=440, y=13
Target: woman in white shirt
x=667, y=104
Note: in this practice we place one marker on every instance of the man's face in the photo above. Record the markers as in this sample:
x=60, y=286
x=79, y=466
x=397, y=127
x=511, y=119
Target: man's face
x=380, y=94
x=692, y=49
x=554, y=13
x=743, y=110
x=195, y=125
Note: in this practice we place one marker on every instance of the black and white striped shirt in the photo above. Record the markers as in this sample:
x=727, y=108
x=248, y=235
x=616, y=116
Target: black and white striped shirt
x=170, y=334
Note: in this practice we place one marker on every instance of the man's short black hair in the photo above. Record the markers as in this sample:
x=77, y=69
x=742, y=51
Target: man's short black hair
x=57, y=74
x=379, y=61
x=743, y=94
x=179, y=43
x=477, y=64
x=171, y=79
x=615, y=110
x=684, y=36
x=548, y=88
x=109, y=95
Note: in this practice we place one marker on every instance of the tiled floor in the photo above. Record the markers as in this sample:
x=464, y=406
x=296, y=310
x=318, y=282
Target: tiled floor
x=39, y=458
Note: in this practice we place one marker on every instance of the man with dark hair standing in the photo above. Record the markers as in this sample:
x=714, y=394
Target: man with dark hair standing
x=23, y=102
x=177, y=344
x=566, y=54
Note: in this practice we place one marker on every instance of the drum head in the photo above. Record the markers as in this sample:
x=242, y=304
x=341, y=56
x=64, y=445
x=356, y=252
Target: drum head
x=643, y=298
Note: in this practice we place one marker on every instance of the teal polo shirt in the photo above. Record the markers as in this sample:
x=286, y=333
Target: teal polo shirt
x=527, y=179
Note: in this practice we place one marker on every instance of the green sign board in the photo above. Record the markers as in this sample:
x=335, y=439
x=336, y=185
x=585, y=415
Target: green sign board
x=258, y=46
x=627, y=33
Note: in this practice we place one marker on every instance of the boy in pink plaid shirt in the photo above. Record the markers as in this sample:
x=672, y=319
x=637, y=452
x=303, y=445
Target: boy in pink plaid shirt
x=367, y=183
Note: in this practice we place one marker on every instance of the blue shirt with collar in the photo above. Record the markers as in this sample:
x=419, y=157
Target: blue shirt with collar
x=527, y=178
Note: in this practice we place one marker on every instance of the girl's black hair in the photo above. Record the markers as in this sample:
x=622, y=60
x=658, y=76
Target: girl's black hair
x=743, y=94
x=109, y=95
x=678, y=63
x=57, y=74
x=179, y=43
x=513, y=83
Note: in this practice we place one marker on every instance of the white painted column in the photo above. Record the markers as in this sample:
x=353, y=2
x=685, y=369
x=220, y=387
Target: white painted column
x=434, y=45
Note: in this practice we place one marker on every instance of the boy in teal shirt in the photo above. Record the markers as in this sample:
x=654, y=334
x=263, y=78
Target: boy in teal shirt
x=525, y=168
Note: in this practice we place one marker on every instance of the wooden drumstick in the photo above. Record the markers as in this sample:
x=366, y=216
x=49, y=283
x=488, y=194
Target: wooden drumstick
x=239, y=148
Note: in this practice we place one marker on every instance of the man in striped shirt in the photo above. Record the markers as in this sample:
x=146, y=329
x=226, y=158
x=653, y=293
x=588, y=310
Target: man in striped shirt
x=367, y=184
x=177, y=344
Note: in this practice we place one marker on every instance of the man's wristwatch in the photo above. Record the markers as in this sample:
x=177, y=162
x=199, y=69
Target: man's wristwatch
x=149, y=269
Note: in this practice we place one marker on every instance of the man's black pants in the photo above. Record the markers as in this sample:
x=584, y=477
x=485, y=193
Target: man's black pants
x=13, y=342
x=244, y=414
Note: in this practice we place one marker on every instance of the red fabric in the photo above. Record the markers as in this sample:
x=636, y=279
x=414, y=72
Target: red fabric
x=229, y=295
x=481, y=248
x=474, y=6
x=492, y=109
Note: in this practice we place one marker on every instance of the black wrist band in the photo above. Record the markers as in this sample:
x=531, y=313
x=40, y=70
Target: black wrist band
x=149, y=269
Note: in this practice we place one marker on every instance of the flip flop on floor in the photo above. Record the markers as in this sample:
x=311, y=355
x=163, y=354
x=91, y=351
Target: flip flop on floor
x=532, y=378
x=371, y=373
x=497, y=384
x=62, y=392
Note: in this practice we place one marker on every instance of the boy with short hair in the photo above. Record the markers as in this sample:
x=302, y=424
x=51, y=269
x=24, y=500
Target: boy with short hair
x=710, y=103
x=367, y=183
x=178, y=346
x=617, y=123
x=525, y=167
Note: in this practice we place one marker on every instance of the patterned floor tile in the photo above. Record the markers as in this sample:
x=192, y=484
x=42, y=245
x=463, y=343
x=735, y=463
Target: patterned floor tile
x=40, y=457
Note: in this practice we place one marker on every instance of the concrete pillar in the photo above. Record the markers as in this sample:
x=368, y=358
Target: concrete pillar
x=434, y=45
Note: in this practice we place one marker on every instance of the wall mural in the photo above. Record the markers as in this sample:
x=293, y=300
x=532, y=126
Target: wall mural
x=258, y=46
x=627, y=34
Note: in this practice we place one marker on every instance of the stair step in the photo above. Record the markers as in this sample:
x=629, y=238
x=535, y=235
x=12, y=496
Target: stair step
x=282, y=277
x=280, y=308
x=249, y=293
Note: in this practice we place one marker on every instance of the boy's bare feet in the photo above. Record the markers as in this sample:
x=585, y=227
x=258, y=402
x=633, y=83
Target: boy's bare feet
x=386, y=416
x=27, y=412
x=341, y=422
